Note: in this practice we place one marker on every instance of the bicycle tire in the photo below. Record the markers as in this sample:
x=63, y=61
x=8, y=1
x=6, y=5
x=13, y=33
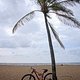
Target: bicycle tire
x=28, y=77
x=48, y=76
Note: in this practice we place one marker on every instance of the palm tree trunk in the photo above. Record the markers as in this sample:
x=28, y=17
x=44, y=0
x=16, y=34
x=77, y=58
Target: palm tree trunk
x=54, y=77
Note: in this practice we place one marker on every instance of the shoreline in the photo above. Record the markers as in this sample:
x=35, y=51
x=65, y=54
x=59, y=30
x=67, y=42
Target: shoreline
x=35, y=64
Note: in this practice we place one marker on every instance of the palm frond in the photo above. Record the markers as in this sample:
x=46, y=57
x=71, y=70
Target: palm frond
x=69, y=20
x=48, y=16
x=21, y=22
x=67, y=2
x=58, y=7
x=77, y=1
x=50, y=1
x=56, y=36
x=41, y=1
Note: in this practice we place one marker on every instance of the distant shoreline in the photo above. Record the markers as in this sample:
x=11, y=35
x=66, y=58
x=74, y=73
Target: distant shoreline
x=34, y=64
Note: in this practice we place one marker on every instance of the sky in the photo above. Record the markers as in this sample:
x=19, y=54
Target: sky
x=29, y=43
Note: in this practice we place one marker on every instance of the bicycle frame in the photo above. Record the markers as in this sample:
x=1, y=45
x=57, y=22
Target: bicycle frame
x=36, y=73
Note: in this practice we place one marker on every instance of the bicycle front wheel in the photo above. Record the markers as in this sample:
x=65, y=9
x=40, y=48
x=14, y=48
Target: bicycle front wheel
x=48, y=76
x=28, y=77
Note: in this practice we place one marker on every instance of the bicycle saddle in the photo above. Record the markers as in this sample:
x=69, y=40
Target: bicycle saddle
x=45, y=70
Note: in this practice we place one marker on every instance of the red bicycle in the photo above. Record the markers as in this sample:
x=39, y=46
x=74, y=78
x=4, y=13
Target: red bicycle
x=37, y=75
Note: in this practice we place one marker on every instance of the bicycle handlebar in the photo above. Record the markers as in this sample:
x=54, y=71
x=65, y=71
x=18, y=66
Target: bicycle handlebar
x=33, y=68
x=44, y=70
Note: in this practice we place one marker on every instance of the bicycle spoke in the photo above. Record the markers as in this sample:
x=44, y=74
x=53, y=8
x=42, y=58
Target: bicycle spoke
x=28, y=77
x=48, y=76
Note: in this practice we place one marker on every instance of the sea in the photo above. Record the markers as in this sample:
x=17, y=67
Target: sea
x=34, y=64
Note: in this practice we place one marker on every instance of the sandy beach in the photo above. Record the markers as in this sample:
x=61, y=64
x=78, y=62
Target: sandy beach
x=15, y=72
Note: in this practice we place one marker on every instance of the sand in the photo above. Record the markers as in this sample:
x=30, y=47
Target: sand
x=64, y=72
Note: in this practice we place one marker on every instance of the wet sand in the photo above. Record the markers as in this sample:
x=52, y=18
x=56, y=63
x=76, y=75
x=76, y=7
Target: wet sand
x=15, y=72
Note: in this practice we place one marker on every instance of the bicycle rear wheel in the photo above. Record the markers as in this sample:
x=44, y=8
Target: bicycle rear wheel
x=48, y=76
x=28, y=77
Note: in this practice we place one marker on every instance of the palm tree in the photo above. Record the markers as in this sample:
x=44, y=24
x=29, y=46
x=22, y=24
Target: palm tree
x=64, y=14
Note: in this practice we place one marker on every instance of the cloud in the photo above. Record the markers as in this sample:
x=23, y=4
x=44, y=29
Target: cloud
x=8, y=11
x=24, y=36
x=32, y=37
x=11, y=10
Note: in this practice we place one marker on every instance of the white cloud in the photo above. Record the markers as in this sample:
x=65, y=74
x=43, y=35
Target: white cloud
x=32, y=37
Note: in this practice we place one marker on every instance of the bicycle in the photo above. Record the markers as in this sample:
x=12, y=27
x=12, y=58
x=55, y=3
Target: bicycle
x=39, y=76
